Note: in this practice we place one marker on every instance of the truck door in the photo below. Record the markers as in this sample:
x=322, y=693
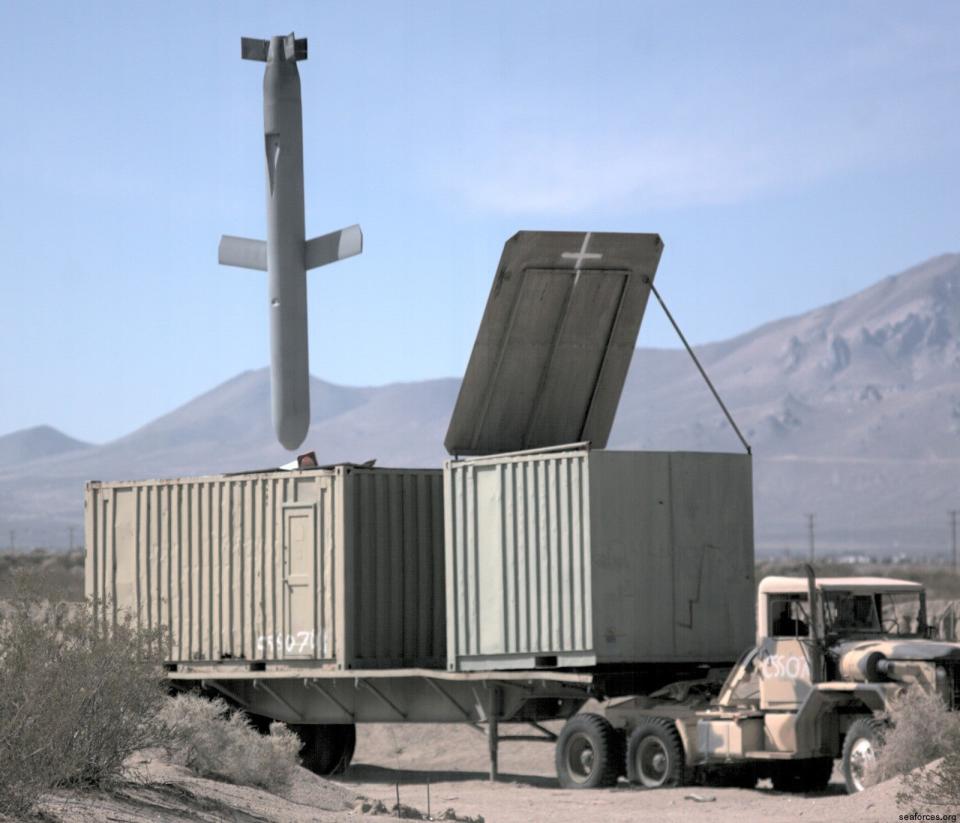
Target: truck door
x=787, y=655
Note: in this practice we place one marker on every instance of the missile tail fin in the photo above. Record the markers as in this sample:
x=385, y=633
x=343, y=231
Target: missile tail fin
x=294, y=49
x=329, y=248
x=243, y=252
x=253, y=49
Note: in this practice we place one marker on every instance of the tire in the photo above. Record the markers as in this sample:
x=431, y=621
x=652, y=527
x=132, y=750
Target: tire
x=589, y=753
x=349, y=747
x=808, y=775
x=326, y=748
x=655, y=754
x=860, y=746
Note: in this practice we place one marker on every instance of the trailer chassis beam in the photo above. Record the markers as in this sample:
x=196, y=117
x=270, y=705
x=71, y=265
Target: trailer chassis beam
x=384, y=699
x=315, y=685
x=261, y=684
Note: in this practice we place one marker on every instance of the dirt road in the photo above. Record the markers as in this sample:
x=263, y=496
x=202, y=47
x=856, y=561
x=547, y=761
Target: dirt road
x=452, y=759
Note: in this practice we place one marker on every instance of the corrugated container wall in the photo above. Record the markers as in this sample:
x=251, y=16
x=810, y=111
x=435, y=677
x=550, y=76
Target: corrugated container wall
x=342, y=567
x=578, y=558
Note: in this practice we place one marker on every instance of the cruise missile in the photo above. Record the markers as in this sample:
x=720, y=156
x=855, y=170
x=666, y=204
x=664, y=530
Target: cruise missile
x=287, y=254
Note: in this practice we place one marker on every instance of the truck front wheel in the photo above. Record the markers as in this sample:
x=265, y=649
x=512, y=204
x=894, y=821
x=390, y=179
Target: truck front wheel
x=860, y=748
x=655, y=754
x=588, y=753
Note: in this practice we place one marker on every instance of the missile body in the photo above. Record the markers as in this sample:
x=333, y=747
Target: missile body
x=286, y=255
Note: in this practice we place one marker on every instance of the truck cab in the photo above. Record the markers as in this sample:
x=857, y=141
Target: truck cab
x=830, y=655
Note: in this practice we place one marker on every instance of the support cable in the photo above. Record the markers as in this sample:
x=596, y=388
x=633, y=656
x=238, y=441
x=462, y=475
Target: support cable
x=696, y=362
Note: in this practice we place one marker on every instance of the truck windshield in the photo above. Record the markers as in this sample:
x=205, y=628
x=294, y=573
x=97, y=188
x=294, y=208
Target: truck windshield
x=873, y=613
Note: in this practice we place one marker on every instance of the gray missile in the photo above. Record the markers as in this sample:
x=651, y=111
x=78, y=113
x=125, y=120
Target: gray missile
x=286, y=255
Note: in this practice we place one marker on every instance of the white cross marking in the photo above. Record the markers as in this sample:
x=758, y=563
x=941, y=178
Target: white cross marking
x=581, y=255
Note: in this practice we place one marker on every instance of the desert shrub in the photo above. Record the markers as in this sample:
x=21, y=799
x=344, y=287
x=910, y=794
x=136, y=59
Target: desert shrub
x=77, y=696
x=215, y=741
x=55, y=575
x=936, y=785
x=922, y=730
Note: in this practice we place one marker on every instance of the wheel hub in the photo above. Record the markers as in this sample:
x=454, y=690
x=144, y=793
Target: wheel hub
x=652, y=762
x=581, y=758
x=862, y=757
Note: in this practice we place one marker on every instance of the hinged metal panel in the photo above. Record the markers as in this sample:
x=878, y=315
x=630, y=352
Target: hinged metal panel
x=555, y=341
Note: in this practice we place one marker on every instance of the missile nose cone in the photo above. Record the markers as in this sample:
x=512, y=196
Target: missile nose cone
x=292, y=429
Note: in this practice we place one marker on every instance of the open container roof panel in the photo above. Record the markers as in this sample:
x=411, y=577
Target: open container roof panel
x=555, y=342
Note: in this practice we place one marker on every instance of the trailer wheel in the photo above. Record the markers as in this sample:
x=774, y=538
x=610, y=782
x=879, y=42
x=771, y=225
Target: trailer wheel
x=655, y=754
x=327, y=747
x=860, y=747
x=589, y=753
x=808, y=775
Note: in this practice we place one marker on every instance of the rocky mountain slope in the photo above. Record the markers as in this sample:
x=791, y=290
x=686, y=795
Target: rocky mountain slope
x=853, y=412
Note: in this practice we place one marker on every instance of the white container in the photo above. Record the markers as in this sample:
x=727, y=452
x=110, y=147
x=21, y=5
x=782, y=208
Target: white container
x=340, y=567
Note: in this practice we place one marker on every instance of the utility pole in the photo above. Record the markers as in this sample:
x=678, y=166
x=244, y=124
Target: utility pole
x=953, y=537
x=71, y=528
x=13, y=539
x=810, y=530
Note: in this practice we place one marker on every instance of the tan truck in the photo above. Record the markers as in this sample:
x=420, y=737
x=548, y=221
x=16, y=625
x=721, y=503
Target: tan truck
x=815, y=688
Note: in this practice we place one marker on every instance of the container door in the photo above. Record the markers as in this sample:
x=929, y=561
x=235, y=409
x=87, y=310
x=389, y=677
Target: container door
x=299, y=564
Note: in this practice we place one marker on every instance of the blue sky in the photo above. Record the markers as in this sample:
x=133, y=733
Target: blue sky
x=789, y=154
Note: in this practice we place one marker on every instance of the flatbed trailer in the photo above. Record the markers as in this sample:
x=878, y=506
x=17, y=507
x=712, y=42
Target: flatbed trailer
x=315, y=696
x=318, y=700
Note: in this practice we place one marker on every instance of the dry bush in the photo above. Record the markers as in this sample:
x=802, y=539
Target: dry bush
x=55, y=575
x=922, y=730
x=215, y=741
x=77, y=697
x=937, y=785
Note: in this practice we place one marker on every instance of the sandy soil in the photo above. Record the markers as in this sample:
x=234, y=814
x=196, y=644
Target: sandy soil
x=440, y=767
x=452, y=759
x=163, y=793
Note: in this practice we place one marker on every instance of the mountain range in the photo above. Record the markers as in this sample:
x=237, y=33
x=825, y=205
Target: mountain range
x=852, y=411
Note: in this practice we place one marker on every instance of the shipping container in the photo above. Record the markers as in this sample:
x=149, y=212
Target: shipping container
x=576, y=557
x=340, y=567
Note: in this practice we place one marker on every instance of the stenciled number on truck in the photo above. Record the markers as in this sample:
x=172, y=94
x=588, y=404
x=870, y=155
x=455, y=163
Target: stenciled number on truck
x=785, y=665
x=298, y=643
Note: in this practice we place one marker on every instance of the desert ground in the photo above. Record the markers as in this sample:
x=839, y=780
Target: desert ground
x=451, y=761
